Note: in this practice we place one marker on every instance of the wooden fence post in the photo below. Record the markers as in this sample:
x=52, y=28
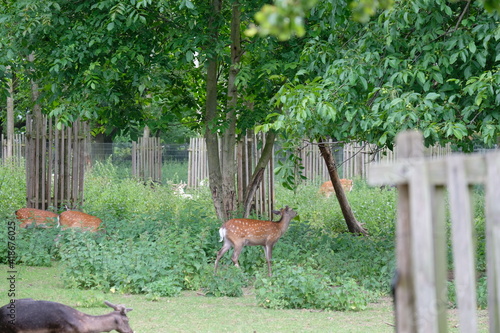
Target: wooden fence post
x=421, y=295
x=493, y=240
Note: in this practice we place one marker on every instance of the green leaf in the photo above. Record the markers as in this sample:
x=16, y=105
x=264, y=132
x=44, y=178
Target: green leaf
x=432, y=96
x=421, y=77
x=472, y=47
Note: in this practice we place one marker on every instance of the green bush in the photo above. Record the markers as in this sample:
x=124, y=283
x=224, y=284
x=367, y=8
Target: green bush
x=130, y=264
x=37, y=246
x=168, y=286
x=302, y=287
x=227, y=282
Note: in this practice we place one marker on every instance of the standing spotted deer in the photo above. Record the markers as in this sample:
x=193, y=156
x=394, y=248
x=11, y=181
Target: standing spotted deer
x=240, y=232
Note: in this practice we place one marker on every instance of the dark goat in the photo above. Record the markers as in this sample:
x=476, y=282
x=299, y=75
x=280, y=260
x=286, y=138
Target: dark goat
x=27, y=315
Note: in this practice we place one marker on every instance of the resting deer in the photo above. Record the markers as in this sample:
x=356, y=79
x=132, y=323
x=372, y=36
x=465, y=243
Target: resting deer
x=240, y=232
x=327, y=189
x=36, y=217
x=30, y=316
x=73, y=218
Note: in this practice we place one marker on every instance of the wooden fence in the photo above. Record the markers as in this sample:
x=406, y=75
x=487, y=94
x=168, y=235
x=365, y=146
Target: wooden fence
x=55, y=163
x=358, y=157
x=18, y=148
x=147, y=159
x=247, y=154
x=197, y=163
x=421, y=242
x=353, y=159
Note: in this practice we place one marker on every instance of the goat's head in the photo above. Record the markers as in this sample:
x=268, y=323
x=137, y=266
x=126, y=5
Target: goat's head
x=121, y=318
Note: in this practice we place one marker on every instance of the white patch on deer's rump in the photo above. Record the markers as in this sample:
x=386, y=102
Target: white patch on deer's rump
x=222, y=233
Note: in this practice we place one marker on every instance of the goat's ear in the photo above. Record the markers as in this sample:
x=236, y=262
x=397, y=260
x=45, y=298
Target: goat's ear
x=123, y=310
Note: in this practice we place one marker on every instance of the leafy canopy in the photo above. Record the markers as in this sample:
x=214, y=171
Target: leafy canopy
x=428, y=65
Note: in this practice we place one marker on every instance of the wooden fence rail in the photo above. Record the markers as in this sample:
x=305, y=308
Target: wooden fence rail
x=421, y=242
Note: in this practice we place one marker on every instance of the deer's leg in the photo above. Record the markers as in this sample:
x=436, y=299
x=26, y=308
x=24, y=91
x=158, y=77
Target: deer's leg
x=268, y=250
x=236, y=254
x=221, y=252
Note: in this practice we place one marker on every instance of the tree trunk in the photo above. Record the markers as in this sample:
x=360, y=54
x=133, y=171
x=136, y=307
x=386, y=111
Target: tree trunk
x=352, y=224
x=10, y=116
x=211, y=139
x=36, y=179
x=258, y=173
x=229, y=137
x=146, y=132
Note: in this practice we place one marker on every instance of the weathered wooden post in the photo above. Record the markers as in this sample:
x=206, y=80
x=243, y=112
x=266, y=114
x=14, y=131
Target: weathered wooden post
x=421, y=293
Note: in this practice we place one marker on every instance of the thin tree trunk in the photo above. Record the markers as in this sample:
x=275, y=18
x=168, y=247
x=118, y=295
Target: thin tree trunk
x=211, y=139
x=37, y=166
x=10, y=116
x=258, y=173
x=352, y=224
x=229, y=136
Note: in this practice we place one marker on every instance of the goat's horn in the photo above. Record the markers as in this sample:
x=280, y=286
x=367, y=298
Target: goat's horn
x=111, y=305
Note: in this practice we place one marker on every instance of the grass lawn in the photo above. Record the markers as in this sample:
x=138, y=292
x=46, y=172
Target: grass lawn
x=192, y=312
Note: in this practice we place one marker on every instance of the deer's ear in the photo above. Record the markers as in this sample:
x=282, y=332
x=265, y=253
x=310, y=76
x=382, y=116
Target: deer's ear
x=277, y=212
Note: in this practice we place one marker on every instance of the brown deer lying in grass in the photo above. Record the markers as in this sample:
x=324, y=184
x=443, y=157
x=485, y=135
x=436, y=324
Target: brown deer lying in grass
x=38, y=217
x=73, y=218
x=67, y=219
x=327, y=189
x=30, y=316
x=240, y=232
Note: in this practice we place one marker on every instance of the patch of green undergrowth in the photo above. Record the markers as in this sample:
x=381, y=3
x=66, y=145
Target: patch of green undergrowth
x=302, y=287
x=228, y=282
x=134, y=265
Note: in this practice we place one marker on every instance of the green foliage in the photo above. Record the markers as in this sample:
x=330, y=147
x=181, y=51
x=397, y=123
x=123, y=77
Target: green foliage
x=12, y=189
x=297, y=287
x=284, y=19
x=227, y=282
x=134, y=199
x=169, y=257
x=419, y=65
x=175, y=172
x=93, y=300
x=37, y=246
x=168, y=286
